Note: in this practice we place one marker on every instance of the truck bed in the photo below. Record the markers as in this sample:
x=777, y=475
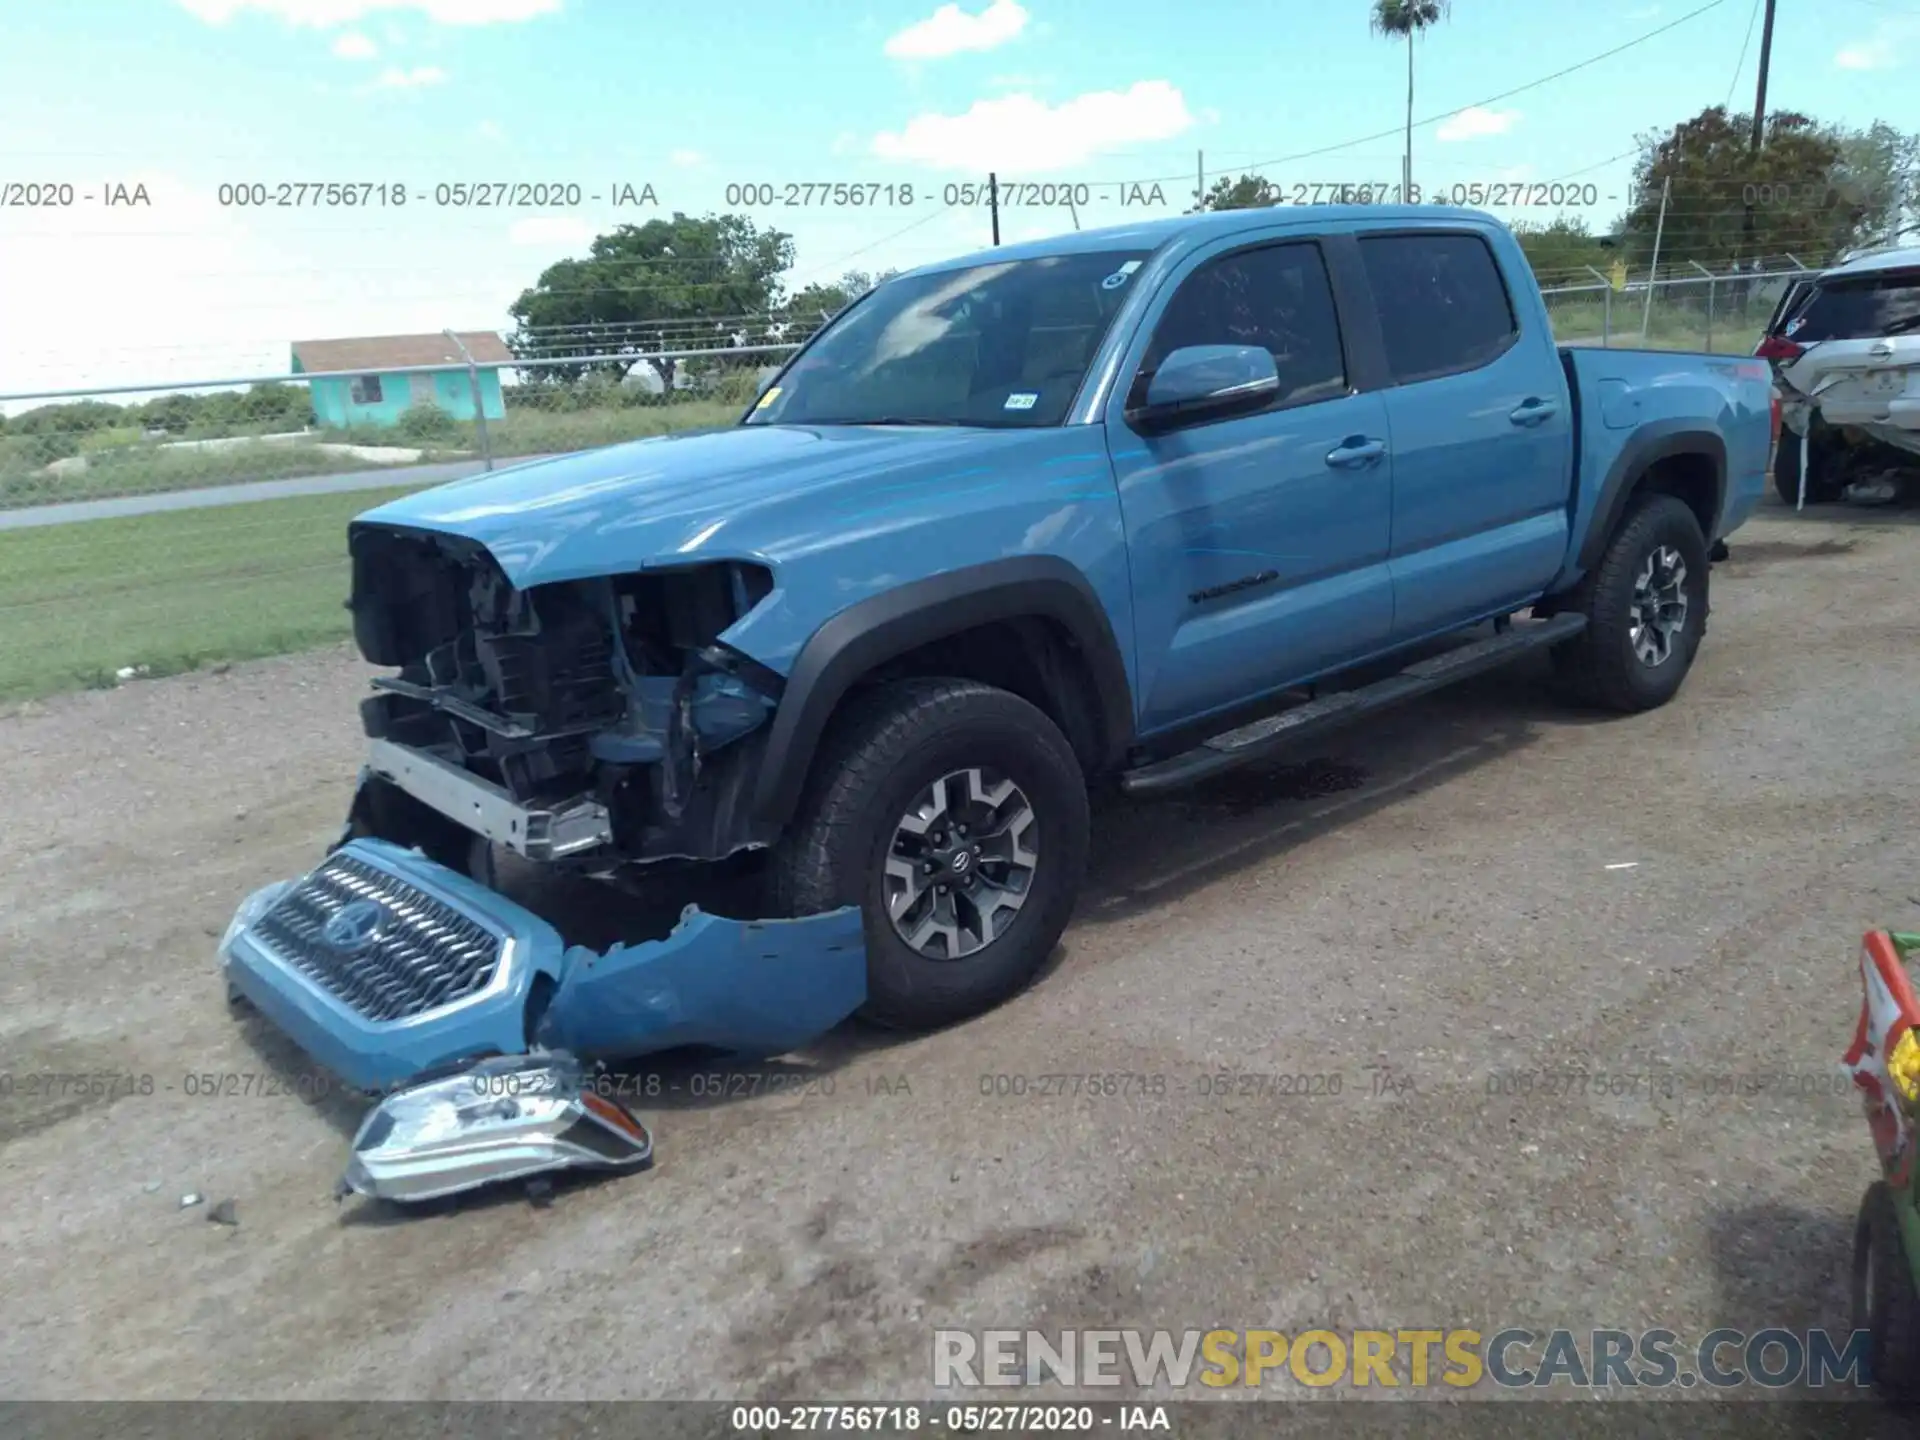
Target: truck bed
x=1631, y=400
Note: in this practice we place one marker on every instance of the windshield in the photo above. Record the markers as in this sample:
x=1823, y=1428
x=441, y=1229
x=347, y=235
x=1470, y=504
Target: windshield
x=1003, y=344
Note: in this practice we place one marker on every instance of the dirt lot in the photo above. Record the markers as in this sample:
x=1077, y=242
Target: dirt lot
x=1437, y=891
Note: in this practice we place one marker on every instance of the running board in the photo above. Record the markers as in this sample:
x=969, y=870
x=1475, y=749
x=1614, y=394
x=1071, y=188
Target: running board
x=1264, y=736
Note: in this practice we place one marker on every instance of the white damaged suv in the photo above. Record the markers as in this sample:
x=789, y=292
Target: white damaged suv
x=1845, y=350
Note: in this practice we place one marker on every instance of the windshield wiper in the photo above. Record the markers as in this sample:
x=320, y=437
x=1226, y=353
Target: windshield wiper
x=919, y=420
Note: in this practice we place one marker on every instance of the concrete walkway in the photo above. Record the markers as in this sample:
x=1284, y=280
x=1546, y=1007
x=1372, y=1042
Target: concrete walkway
x=247, y=491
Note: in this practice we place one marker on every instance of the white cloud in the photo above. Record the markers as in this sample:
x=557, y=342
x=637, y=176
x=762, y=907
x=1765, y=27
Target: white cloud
x=1475, y=123
x=1881, y=50
x=550, y=230
x=1874, y=54
x=397, y=79
x=355, y=46
x=1020, y=134
x=953, y=31
x=324, y=14
x=490, y=130
x=686, y=159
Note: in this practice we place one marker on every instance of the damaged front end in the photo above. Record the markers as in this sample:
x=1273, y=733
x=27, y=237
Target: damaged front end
x=385, y=965
x=592, y=725
x=595, y=723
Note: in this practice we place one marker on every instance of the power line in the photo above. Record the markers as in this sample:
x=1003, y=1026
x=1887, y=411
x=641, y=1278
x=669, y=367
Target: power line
x=1741, y=63
x=1393, y=132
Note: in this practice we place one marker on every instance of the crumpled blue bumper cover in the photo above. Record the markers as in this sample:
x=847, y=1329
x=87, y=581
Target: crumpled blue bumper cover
x=753, y=988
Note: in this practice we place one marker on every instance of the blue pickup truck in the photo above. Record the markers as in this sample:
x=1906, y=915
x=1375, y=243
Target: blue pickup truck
x=1123, y=507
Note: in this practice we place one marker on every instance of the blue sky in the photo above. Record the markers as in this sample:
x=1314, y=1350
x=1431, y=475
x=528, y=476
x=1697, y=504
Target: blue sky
x=183, y=95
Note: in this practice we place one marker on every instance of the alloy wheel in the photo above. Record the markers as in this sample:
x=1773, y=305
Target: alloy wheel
x=1659, y=607
x=961, y=864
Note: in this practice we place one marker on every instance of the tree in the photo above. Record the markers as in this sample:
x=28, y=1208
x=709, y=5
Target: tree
x=1881, y=167
x=1238, y=192
x=1796, y=189
x=811, y=306
x=1393, y=19
x=1562, y=249
x=638, y=280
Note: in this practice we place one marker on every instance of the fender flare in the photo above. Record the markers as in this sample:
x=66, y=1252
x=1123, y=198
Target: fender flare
x=883, y=627
x=1652, y=443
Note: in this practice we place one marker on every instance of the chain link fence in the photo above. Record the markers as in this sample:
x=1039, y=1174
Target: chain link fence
x=125, y=550
x=150, y=530
x=1682, y=308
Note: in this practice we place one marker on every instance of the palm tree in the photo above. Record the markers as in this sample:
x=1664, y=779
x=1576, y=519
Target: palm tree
x=1394, y=18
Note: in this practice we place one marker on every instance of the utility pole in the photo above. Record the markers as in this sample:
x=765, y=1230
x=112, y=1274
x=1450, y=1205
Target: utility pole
x=1653, y=270
x=1759, y=122
x=993, y=203
x=1760, y=90
x=1199, y=180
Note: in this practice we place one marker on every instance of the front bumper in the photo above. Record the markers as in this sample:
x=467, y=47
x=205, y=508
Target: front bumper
x=751, y=988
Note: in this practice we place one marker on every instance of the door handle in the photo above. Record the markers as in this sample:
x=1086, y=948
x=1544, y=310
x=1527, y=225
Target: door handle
x=1882, y=350
x=1532, y=412
x=1355, y=452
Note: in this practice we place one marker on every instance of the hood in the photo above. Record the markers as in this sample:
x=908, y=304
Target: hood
x=747, y=492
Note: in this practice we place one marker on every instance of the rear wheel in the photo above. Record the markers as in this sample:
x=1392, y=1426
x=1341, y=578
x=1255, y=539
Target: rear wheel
x=1646, y=609
x=1823, y=485
x=955, y=816
x=1885, y=1300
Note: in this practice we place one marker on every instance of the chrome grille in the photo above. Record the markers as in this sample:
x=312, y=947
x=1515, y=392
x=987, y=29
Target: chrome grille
x=422, y=954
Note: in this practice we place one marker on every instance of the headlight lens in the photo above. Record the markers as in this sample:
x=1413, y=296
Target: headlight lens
x=252, y=908
x=1904, y=1066
x=516, y=1090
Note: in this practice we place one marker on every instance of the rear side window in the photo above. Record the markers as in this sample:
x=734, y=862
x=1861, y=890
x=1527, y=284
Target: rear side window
x=1857, y=309
x=1278, y=298
x=1443, y=306
x=1790, y=299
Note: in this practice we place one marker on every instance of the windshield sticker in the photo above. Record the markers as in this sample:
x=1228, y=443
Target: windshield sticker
x=1022, y=400
x=1119, y=277
x=1793, y=326
x=768, y=398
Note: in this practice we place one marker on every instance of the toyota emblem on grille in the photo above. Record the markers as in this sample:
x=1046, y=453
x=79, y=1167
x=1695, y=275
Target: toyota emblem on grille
x=352, y=927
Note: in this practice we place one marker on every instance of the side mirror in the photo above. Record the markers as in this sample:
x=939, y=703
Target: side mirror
x=1207, y=382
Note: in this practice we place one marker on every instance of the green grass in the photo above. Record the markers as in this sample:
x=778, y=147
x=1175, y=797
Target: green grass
x=531, y=431
x=134, y=467
x=1672, y=328
x=172, y=592
x=145, y=469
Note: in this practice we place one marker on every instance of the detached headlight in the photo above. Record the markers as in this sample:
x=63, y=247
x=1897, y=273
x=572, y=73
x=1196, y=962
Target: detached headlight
x=508, y=1118
x=1904, y=1066
x=252, y=908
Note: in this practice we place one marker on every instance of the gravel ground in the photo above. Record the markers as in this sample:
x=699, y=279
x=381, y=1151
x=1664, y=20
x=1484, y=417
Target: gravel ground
x=1437, y=892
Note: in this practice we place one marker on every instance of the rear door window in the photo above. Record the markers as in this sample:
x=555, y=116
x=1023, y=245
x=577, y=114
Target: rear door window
x=1443, y=305
x=1858, y=308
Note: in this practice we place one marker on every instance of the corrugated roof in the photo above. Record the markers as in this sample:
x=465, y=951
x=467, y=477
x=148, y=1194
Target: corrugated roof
x=392, y=352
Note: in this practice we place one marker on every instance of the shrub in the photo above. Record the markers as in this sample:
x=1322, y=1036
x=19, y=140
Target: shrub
x=426, y=423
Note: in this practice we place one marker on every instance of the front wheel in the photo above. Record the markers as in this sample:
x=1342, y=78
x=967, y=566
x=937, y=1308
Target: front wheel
x=955, y=816
x=1646, y=609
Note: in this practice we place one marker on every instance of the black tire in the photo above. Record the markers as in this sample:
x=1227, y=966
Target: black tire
x=1600, y=666
x=1823, y=487
x=1885, y=1301
x=889, y=747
